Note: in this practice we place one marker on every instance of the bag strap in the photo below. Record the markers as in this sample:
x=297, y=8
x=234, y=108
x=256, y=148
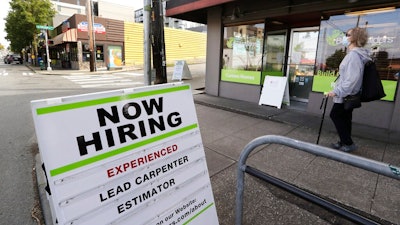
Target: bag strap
x=362, y=75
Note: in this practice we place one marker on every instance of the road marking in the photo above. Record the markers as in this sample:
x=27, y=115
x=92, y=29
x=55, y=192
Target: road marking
x=115, y=84
x=131, y=74
x=90, y=81
x=102, y=81
x=83, y=79
x=5, y=73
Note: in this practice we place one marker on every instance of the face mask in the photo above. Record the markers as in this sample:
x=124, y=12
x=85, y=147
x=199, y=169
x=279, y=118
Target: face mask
x=345, y=42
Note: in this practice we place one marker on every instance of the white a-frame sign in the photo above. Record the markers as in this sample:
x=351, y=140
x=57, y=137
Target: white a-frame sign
x=181, y=71
x=275, y=91
x=130, y=156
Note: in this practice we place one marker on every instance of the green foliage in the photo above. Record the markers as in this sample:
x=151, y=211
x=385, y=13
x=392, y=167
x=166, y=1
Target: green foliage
x=22, y=19
x=299, y=47
x=333, y=61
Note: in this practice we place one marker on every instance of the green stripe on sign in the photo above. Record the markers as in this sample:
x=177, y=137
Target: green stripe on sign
x=190, y=220
x=76, y=105
x=118, y=151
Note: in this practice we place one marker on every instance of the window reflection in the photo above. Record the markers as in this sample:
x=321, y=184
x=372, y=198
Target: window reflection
x=302, y=60
x=384, y=45
x=242, y=53
x=274, y=53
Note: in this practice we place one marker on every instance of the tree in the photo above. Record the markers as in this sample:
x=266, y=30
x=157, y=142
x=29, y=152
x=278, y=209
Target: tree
x=333, y=61
x=22, y=19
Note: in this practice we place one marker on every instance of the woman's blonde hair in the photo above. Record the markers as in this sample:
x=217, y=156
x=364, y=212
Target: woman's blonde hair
x=359, y=36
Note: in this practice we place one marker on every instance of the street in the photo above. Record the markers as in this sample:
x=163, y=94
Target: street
x=224, y=134
x=19, y=85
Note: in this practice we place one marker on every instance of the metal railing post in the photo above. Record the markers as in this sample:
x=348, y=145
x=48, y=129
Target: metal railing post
x=357, y=161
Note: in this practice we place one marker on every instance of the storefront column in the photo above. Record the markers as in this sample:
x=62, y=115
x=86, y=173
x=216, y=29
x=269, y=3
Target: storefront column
x=213, y=61
x=395, y=123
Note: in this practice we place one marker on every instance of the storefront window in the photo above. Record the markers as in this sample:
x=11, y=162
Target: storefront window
x=242, y=54
x=383, y=26
x=99, y=53
x=85, y=52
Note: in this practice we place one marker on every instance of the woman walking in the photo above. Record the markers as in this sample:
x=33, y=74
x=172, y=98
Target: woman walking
x=349, y=83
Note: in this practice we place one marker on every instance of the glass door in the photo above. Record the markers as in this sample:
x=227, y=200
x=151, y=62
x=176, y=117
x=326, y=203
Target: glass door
x=274, y=54
x=301, y=65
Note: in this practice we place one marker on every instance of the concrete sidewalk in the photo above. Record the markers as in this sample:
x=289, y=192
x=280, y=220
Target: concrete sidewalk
x=228, y=125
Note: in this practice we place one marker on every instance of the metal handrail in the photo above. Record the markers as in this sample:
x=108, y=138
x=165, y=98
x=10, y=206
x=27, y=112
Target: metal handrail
x=357, y=161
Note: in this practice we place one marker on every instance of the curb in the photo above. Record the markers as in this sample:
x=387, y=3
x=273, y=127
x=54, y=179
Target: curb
x=43, y=199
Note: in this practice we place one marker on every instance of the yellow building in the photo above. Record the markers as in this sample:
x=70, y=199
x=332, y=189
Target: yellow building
x=179, y=45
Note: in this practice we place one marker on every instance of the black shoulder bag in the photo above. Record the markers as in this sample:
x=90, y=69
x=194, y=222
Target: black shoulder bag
x=351, y=102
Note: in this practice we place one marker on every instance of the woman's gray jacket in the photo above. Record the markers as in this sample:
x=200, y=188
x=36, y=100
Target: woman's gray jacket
x=351, y=71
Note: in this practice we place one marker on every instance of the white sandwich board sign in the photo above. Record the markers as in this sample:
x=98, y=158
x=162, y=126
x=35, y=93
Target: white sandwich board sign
x=275, y=91
x=129, y=156
x=181, y=71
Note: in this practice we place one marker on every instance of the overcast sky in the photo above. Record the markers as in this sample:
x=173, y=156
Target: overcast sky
x=5, y=6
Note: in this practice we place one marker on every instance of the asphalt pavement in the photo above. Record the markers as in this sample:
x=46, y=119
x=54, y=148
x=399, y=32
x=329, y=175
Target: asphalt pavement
x=227, y=126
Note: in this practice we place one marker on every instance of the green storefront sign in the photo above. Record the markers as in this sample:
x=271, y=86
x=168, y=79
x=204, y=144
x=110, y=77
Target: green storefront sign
x=241, y=76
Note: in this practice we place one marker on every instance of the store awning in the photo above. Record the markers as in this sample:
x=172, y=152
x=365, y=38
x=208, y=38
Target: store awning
x=68, y=36
x=192, y=10
x=179, y=7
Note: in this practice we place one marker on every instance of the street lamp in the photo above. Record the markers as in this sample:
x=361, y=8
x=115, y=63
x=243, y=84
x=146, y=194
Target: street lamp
x=43, y=29
x=47, y=50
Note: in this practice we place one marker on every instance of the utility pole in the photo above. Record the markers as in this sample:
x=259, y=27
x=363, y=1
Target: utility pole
x=147, y=41
x=159, y=61
x=90, y=33
x=94, y=37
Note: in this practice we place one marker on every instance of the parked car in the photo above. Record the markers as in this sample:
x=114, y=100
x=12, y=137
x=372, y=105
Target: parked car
x=14, y=58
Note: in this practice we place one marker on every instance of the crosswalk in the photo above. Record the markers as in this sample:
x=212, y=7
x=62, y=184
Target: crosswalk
x=131, y=74
x=100, y=80
x=120, y=79
x=28, y=74
x=5, y=73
